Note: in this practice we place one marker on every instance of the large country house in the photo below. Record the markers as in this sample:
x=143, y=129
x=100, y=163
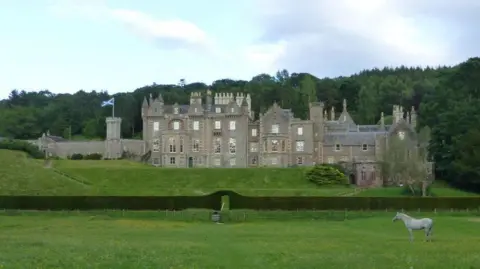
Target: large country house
x=222, y=132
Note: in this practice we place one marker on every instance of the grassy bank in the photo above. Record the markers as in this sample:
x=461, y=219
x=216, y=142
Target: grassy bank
x=20, y=175
x=127, y=178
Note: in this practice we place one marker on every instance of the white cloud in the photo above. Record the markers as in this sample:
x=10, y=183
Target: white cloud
x=168, y=31
x=264, y=56
x=344, y=36
x=169, y=34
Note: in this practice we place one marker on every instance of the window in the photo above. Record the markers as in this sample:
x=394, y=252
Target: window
x=171, y=145
x=275, y=128
x=218, y=125
x=196, y=125
x=299, y=160
x=232, y=145
x=364, y=147
x=172, y=160
x=216, y=162
x=300, y=130
x=181, y=144
x=156, y=126
x=156, y=161
x=330, y=160
x=232, y=125
x=337, y=147
x=217, y=145
x=176, y=125
x=401, y=135
x=218, y=110
x=195, y=110
x=344, y=117
x=300, y=145
x=232, y=109
x=254, y=160
x=233, y=162
x=274, y=145
x=156, y=145
x=274, y=160
x=253, y=147
x=254, y=132
x=175, y=110
x=196, y=145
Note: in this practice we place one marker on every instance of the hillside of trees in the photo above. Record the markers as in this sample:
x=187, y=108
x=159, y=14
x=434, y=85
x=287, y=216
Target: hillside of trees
x=446, y=99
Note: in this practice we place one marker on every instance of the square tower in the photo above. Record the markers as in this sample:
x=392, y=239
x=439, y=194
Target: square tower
x=113, y=143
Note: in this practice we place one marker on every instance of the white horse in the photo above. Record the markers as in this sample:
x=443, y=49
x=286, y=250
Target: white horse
x=411, y=223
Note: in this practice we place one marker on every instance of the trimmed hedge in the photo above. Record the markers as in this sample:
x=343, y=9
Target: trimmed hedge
x=353, y=203
x=109, y=202
x=213, y=201
x=30, y=149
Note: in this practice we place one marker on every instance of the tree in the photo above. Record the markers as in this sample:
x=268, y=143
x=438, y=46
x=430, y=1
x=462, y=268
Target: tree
x=405, y=162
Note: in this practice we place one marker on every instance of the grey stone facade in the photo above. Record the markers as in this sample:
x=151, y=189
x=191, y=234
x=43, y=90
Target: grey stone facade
x=222, y=133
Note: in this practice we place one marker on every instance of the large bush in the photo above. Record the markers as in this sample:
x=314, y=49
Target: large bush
x=326, y=175
x=76, y=156
x=30, y=149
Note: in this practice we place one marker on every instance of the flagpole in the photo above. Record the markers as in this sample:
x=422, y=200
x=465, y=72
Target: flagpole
x=113, y=108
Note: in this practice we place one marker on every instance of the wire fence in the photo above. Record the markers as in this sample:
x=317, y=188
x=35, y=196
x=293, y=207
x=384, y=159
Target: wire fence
x=236, y=216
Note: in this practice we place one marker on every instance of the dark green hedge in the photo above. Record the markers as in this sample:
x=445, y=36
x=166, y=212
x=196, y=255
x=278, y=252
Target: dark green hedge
x=109, y=202
x=24, y=146
x=353, y=203
x=236, y=201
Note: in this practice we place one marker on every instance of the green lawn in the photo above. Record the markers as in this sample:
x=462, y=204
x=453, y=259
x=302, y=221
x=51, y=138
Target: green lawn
x=22, y=175
x=439, y=189
x=151, y=240
x=129, y=178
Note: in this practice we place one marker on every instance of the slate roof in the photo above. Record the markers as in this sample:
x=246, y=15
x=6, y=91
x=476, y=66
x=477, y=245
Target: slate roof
x=351, y=138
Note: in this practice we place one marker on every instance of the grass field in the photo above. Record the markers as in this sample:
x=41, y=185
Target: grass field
x=22, y=175
x=151, y=240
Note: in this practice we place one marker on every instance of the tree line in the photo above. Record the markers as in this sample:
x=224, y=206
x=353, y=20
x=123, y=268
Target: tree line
x=445, y=97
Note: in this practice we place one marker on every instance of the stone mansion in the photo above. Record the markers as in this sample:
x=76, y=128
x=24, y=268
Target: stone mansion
x=222, y=132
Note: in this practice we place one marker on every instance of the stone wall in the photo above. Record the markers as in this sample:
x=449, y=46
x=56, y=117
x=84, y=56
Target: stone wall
x=64, y=149
x=137, y=147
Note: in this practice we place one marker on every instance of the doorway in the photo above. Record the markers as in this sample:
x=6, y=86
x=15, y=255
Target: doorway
x=190, y=162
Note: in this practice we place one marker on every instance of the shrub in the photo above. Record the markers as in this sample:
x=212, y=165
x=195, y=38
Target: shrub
x=30, y=149
x=93, y=156
x=326, y=175
x=76, y=156
x=337, y=166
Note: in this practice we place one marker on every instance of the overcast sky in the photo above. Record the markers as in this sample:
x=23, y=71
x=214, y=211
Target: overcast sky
x=121, y=45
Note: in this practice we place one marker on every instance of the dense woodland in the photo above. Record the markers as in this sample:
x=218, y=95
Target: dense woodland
x=446, y=99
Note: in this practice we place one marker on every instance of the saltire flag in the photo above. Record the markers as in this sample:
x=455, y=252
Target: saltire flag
x=110, y=102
